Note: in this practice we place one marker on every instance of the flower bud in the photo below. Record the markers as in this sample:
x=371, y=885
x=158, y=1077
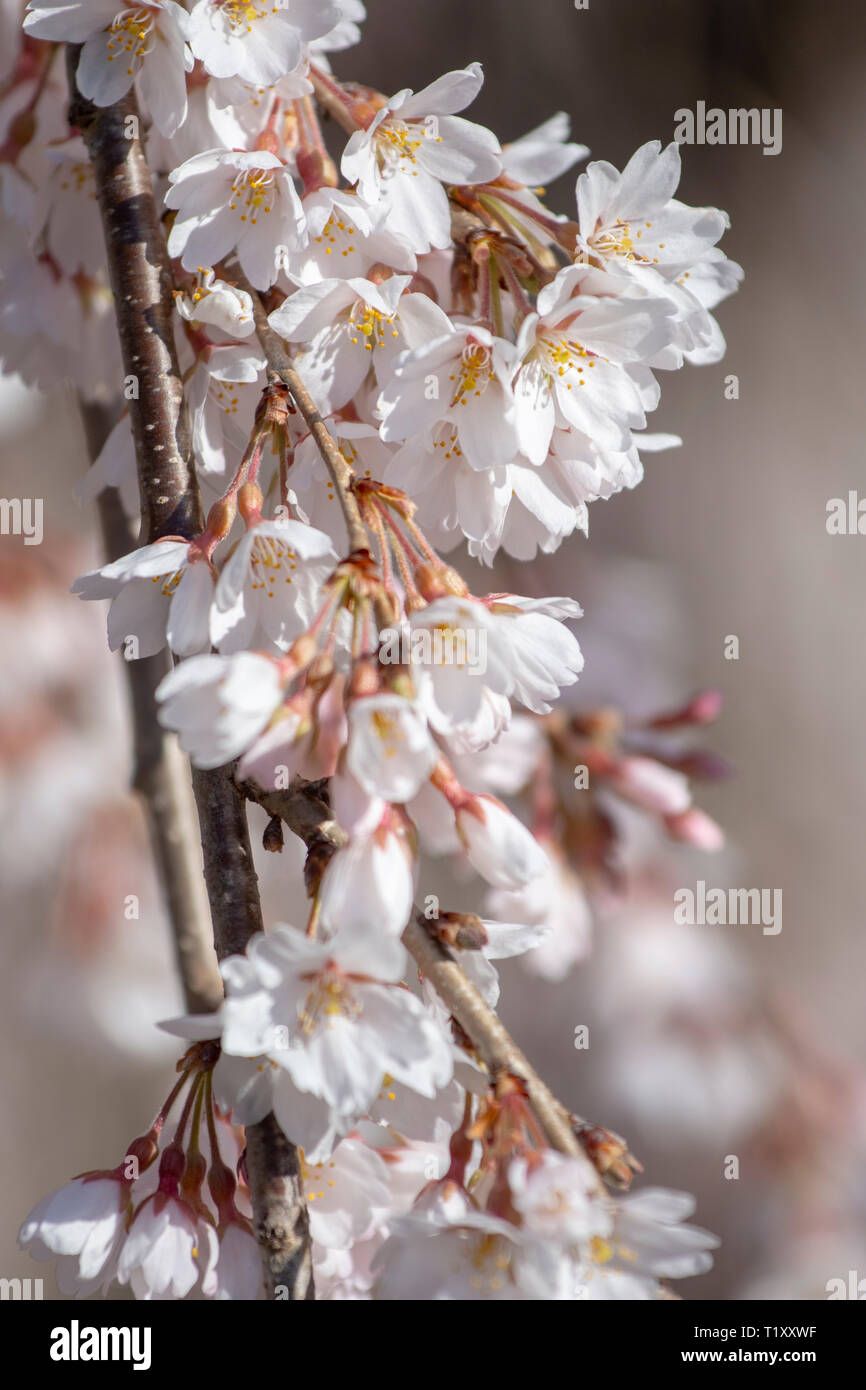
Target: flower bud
x=694, y=827
x=250, y=502
x=461, y=929
x=219, y=520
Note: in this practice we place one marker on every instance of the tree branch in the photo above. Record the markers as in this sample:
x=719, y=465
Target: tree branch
x=282, y=368
x=140, y=276
x=496, y=1047
x=273, y=1164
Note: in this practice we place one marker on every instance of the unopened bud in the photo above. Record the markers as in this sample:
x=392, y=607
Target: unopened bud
x=269, y=141
x=650, y=785
x=364, y=679
x=250, y=502
x=301, y=652
x=703, y=708
x=273, y=839
x=461, y=929
x=608, y=1154
x=316, y=170
x=364, y=104
x=694, y=827
x=220, y=518
x=438, y=581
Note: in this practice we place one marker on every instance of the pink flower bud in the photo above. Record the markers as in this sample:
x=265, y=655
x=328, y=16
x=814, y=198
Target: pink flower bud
x=694, y=827
x=650, y=785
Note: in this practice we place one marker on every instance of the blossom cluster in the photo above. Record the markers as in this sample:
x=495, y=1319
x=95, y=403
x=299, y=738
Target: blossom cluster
x=484, y=367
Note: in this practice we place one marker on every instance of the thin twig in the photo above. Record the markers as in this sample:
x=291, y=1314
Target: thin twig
x=496, y=1047
x=281, y=367
x=140, y=277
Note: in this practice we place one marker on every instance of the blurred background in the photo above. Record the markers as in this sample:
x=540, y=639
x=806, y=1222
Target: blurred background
x=706, y=1043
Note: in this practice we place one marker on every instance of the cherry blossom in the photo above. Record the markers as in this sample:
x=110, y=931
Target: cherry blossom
x=269, y=588
x=82, y=1225
x=349, y=325
x=218, y=704
x=390, y=751
x=369, y=885
x=159, y=593
x=331, y=1015
x=256, y=41
x=449, y=359
x=414, y=143
x=228, y=200
x=145, y=43
x=632, y=223
x=498, y=845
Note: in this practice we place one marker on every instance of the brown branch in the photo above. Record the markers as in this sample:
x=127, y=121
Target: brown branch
x=273, y=1164
x=140, y=276
x=282, y=1225
x=282, y=368
x=495, y=1045
x=309, y=817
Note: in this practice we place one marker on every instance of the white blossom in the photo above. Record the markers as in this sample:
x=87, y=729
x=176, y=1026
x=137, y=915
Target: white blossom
x=254, y=39
x=390, y=751
x=413, y=145
x=160, y=592
x=218, y=704
x=82, y=1225
x=498, y=845
x=143, y=43
x=270, y=587
x=234, y=200
x=332, y=1015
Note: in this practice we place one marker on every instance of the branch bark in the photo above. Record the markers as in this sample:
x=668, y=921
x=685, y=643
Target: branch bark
x=140, y=277
x=273, y=1164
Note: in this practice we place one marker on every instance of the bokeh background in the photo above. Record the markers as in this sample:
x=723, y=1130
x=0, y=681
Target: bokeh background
x=706, y=1043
